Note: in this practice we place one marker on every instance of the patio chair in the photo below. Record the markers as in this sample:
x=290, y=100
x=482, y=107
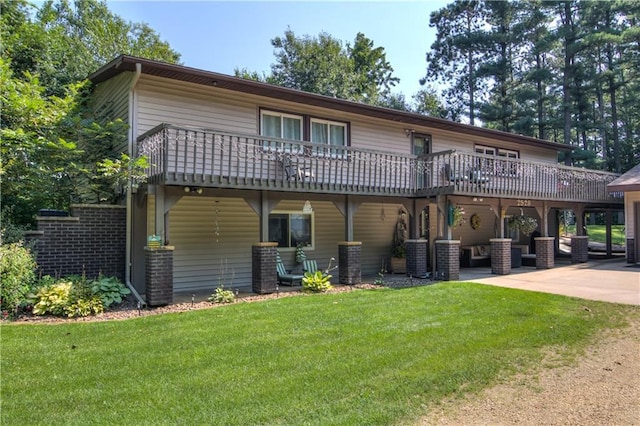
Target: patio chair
x=295, y=171
x=285, y=276
x=310, y=266
x=451, y=176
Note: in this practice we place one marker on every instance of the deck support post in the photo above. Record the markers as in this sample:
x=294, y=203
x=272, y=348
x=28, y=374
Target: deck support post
x=500, y=256
x=545, y=255
x=160, y=215
x=608, y=217
x=263, y=267
x=159, y=275
x=448, y=260
x=349, y=262
x=579, y=248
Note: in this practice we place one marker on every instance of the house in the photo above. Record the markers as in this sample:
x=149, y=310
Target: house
x=237, y=166
x=629, y=184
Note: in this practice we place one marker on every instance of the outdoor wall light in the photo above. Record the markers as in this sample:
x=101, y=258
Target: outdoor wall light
x=476, y=199
x=189, y=190
x=408, y=132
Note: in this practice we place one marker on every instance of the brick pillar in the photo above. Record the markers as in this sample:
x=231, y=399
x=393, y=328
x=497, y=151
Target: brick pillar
x=159, y=275
x=263, y=267
x=632, y=256
x=545, y=255
x=417, y=255
x=500, y=256
x=579, y=249
x=448, y=260
x=349, y=263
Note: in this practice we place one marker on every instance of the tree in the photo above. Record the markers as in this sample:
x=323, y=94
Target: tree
x=457, y=53
x=324, y=65
x=65, y=42
x=54, y=151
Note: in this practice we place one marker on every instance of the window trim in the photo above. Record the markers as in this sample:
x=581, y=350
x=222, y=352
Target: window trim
x=422, y=136
x=306, y=120
x=312, y=231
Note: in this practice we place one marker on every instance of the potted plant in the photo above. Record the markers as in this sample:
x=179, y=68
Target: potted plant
x=522, y=223
x=398, y=252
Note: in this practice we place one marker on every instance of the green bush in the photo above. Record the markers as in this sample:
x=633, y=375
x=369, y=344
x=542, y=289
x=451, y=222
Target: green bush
x=76, y=296
x=110, y=290
x=17, y=275
x=317, y=282
x=53, y=299
x=222, y=296
x=84, y=307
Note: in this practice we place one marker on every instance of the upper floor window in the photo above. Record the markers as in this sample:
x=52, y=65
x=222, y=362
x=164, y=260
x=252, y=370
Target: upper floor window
x=500, y=152
x=328, y=132
x=280, y=125
x=421, y=144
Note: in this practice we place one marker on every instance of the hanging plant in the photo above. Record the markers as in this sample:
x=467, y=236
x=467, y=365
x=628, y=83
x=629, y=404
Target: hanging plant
x=456, y=215
x=522, y=223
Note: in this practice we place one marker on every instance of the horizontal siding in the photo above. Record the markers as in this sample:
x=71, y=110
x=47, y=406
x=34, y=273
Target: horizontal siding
x=374, y=225
x=188, y=104
x=111, y=101
x=328, y=227
x=487, y=230
x=203, y=259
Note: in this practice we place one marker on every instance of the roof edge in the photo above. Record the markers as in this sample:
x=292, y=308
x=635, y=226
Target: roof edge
x=125, y=63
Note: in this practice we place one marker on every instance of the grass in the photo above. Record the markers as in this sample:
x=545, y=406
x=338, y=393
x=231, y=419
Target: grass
x=598, y=233
x=362, y=357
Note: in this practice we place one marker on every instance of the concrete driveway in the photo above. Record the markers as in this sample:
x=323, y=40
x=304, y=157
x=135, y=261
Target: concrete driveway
x=611, y=280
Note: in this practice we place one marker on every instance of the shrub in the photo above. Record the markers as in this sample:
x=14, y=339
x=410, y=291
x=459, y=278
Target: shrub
x=110, y=290
x=222, y=296
x=17, y=275
x=53, y=299
x=316, y=282
x=84, y=307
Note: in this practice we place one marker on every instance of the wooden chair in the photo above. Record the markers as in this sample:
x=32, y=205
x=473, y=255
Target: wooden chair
x=285, y=276
x=310, y=266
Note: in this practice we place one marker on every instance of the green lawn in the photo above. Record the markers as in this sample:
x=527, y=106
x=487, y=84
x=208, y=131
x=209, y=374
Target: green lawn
x=598, y=234
x=362, y=357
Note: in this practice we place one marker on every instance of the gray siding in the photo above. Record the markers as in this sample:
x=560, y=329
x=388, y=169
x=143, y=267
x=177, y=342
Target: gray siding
x=185, y=104
x=111, y=100
x=203, y=259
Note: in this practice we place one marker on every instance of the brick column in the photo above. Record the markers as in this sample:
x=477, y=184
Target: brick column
x=545, y=255
x=349, y=262
x=579, y=249
x=263, y=267
x=500, y=256
x=159, y=275
x=632, y=256
x=448, y=260
x=417, y=255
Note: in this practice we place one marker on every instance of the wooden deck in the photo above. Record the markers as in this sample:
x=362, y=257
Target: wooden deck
x=207, y=158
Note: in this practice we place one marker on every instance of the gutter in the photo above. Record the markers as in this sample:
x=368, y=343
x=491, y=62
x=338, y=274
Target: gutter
x=133, y=129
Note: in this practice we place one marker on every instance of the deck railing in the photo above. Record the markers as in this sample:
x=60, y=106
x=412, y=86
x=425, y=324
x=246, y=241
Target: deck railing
x=208, y=158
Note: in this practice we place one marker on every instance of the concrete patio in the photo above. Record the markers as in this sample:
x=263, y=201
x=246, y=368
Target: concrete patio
x=611, y=280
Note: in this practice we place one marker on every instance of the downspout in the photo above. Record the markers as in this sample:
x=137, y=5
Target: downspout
x=133, y=131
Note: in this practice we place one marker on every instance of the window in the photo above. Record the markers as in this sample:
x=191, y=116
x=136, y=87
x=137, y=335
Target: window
x=328, y=132
x=279, y=125
x=499, y=168
x=290, y=229
x=421, y=144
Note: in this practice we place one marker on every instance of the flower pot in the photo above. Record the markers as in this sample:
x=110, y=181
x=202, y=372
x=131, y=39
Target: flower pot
x=399, y=265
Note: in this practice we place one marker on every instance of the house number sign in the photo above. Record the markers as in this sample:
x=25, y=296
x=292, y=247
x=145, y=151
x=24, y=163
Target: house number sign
x=523, y=203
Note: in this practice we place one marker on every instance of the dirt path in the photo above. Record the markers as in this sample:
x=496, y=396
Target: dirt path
x=602, y=388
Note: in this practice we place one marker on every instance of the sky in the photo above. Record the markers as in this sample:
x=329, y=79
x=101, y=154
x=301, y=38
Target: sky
x=221, y=36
